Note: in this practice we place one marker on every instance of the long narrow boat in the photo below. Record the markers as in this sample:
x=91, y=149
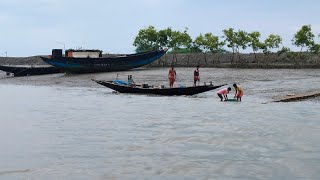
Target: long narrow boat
x=90, y=61
x=176, y=91
x=29, y=70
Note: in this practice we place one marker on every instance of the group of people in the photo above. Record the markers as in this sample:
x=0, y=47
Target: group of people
x=223, y=93
x=173, y=75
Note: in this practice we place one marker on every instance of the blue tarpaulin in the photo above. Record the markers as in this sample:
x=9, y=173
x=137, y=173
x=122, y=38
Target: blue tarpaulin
x=120, y=82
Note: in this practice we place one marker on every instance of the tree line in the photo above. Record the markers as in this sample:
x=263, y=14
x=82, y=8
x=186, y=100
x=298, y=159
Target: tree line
x=181, y=42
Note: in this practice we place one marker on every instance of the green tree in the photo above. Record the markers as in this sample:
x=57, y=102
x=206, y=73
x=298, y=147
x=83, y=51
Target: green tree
x=315, y=48
x=230, y=39
x=146, y=40
x=241, y=41
x=254, y=42
x=304, y=38
x=209, y=43
x=165, y=37
x=271, y=42
x=179, y=40
x=236, y=41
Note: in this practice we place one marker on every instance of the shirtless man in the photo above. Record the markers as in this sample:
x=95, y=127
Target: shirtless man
x=172, y=76
x=196, y=76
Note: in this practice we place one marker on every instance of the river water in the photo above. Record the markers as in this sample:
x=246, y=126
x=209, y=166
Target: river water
x=68, y=127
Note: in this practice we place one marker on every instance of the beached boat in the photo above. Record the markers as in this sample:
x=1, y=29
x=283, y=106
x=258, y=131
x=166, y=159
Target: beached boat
x=29, y=70
x=145, y=89
x=90, y=61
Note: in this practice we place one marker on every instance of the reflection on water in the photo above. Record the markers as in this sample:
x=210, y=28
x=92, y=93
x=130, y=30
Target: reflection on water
x=77, y=130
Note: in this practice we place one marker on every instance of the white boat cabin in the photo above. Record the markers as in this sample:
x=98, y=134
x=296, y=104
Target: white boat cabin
x=83, y=53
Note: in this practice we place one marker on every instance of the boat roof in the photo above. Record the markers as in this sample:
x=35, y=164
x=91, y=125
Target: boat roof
x=83, y=50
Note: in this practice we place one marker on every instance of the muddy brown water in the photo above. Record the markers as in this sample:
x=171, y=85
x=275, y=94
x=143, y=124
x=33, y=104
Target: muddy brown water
x=68, y=127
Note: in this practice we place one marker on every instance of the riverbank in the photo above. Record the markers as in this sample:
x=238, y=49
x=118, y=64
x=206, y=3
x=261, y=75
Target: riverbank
x=290, y=60
x=269, y=84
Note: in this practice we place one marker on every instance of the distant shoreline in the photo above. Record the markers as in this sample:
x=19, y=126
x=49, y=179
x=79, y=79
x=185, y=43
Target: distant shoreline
x=248, y=66
x=291, y=60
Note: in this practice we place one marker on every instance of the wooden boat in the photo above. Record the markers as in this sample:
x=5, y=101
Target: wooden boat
x=90, y=61
x=145, y=89
x=29, y=70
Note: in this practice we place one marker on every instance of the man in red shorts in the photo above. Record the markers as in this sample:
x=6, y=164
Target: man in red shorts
x=196, y=76
x=172, y=76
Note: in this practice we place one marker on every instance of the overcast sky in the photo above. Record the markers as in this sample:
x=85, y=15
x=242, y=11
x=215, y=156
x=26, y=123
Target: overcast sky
x=34, y=27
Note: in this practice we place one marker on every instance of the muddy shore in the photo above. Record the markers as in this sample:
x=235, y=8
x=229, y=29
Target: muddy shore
x=291, y=60
x=269, y=84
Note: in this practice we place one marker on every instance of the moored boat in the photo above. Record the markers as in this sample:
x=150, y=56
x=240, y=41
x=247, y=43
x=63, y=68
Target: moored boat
x=29, y=70
x=145, y=89
x=90, y=61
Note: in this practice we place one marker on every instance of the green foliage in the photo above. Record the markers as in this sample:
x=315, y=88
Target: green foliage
x=180, y=40
x=271, y=42
x=199, y=42
x=195, y=48
x=241, y=40
x=315, y=48
x=254, y=41
x=209, y=43
x=146, y=39
x=304, y=38
x=236, y=40
x=150, y=39
x=283, y=50
x=230, y=38
x=164, y=37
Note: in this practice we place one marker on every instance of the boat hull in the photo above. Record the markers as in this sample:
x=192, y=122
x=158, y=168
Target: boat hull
x=29, y=70
x=176, y=91
x=116, y=63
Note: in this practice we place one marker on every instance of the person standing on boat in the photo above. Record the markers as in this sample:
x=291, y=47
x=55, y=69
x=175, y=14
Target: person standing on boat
x=196, y=76
x=130, y=81
x=223, y=93
x=172, y=76
x=239, y=92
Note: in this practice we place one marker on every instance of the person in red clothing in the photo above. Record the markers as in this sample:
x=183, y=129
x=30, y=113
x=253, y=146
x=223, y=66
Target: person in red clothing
x=172, y=76
x=196, y=76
